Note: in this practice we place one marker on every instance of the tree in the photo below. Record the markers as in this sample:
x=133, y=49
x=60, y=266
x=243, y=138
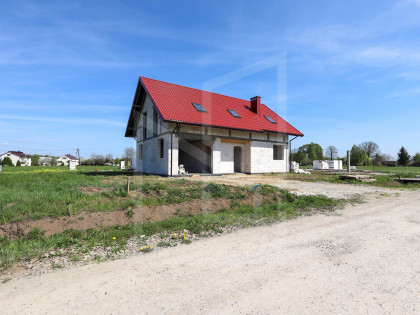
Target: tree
x=403, y=157
x=331, y=152
x=416, y=159
x=377, y=159
x=129, y=154
x=358, y=156
x=35, y=159
x=307, y=153
x=97, y=159
x=53, y=161
x=387, y=157
x=7, y=162
x=87, y=162
x=109, y=158
x=18, y=163
x=370, y=148
x=117, y=161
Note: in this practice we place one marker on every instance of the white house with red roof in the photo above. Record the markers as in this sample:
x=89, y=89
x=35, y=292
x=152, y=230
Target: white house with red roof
x=177, y=127
x=15, y=156
x=64, y=159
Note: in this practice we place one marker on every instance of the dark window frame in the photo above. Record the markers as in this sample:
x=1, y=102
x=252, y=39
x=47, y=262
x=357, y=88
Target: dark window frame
x=234, y=113
x=144, y=125
x=155, y=123
x=270, y=120
x=160, y=148
x=140, y=151
x=199, y=107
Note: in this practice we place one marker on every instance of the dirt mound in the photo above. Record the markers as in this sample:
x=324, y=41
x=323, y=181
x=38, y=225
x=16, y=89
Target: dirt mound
x=87, y=220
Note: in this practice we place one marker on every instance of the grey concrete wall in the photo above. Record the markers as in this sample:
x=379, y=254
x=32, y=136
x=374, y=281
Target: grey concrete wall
x=262, y=158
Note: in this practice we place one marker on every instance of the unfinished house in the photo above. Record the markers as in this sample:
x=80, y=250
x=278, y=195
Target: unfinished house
x=180, y=129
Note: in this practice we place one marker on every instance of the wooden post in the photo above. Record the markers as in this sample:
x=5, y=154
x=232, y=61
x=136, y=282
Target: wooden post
x=128, y=185
x=348, y=161
x=70, y=210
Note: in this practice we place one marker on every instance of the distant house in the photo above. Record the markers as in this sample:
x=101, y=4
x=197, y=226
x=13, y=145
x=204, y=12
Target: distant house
x=15, y=156
x=389, y=163
x=44, y=161
x=64, y=159
x=180, y=129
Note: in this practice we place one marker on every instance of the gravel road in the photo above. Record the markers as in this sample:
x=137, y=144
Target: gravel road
x=363, y=259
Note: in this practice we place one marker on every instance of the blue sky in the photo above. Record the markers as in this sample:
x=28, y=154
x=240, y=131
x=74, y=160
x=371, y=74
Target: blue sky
x=347, y=72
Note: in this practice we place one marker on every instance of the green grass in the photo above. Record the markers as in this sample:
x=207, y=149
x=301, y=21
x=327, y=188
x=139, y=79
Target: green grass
x=409, y=170
x=33, y=195
x=38, y=192
x=385, y=181
x=278, y=205
x=81, y=168
x=398, y=170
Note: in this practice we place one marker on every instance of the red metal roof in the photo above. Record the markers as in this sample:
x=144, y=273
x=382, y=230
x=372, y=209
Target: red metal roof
x=174, y=103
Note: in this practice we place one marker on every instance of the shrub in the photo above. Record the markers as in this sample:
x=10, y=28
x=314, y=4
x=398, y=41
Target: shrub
x=7, y=162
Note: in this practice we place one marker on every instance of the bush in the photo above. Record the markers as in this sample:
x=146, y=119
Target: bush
x=7, y=162
x=416, y=159
x=18, y=163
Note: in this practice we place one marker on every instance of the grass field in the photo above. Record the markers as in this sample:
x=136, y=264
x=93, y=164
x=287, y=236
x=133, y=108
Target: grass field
x=35, y=193
x=81, y=168
x=387, y=179
x=32, y=193
x=409, y=170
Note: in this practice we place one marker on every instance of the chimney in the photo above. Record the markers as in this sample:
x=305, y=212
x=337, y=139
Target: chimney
x=256, y=105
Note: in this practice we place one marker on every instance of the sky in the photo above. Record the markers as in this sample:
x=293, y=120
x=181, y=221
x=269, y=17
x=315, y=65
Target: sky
x=341, y=72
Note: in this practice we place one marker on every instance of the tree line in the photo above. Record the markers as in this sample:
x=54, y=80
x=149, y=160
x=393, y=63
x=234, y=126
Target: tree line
x=366, y=153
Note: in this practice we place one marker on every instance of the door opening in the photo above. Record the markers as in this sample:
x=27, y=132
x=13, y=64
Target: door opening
x=237, y=159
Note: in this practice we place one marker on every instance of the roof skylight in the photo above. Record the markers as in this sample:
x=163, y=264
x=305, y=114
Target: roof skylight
x=233, y=113
x=270, y=119
x=199, y=107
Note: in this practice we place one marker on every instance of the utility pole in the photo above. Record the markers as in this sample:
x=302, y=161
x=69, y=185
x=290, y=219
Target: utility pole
x=348, y=161
x=78, y=155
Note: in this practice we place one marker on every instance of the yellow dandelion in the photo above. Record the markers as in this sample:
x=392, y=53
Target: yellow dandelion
x=150, y=246
x=114, y=238
x=175, y=234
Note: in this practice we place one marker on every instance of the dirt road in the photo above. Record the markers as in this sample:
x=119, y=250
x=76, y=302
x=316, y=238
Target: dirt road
x=363, y=259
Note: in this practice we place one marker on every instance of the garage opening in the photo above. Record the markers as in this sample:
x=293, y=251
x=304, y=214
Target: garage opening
x=195, y=155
